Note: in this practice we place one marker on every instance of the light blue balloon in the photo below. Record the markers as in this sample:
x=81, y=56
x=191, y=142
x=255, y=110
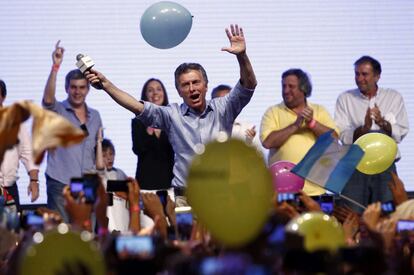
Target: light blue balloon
x=165, y=24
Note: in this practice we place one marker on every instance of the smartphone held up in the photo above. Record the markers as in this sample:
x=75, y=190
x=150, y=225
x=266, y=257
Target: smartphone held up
x=87, y=185
x=184, y=220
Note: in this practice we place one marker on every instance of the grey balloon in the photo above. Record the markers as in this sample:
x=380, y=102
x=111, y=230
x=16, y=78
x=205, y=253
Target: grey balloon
x=165, y=24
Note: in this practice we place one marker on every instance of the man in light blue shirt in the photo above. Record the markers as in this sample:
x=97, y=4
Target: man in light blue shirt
x=66, y=163
x=196, y=121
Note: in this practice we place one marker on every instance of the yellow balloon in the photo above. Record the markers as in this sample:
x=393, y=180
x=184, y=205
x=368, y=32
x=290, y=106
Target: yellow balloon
x=230, y=191
x=380, y=151
x=320, y=231
x=51, y=251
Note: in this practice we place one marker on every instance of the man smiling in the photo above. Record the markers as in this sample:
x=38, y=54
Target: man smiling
x=289, y=129
x=71, y=162
x=370, y=108
x=196, y=121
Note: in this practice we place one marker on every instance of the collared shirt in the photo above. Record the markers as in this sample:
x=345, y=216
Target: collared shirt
x=352, y=106
x=187, y=129
x=65, y=163
x=22, y=151
x=297, y=145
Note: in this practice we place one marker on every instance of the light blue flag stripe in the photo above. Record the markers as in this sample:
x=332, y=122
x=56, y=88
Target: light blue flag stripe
x=344, y=169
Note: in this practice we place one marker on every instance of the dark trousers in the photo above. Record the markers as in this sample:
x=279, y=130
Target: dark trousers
x=367, y=189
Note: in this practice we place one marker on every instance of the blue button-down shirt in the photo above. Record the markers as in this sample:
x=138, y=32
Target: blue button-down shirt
x=186, y=128
x=65, y=163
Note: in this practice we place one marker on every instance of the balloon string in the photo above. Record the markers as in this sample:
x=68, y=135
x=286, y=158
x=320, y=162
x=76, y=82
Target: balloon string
x=354, y=202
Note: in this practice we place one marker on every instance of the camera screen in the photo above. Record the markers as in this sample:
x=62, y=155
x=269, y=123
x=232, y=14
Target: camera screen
x=327, y=204
x=135, y=246
x=89, y=192
x=388, y=207
x=76, y=187
x=286, y=197
x=117, y=186
x=327, y=207
x=184, y=218
x=90, y=185
x=34, y=220
x=184, y=222
x=229, y=264
x=405, y=225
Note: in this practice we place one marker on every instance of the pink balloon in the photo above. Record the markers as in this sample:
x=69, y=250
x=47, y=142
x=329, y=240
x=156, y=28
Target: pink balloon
x=285, y=181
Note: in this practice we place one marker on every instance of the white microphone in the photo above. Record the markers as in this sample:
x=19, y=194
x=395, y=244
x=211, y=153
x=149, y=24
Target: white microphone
x=84, y=64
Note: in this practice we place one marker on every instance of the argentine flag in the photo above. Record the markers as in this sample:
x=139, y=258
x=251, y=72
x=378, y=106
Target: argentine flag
x=328, y=163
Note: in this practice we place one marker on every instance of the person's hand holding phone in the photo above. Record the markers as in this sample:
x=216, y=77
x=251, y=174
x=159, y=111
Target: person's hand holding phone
x=327, y=203
x=371, y=215
x=78, y=210
x=342, y=212
x=289, y=198
x=118, y=187
x=184, y=221
x=76, y=187
x=288, y=210
x=141, y=247
x=387, y=228
x=309, y=203
x=91, y=181
x=387, y=208
x=133, y=191
x=350, y=226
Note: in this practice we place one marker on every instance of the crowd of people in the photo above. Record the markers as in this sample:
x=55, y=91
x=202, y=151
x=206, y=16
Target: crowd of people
x=165, y=138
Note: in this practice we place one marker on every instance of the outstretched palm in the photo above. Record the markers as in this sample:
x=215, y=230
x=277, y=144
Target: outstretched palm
x=236, y=38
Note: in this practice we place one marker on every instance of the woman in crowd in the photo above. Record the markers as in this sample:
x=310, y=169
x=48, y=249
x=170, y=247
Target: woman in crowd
x=154, y=151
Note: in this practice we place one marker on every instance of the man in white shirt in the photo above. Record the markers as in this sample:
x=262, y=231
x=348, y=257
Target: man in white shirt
x=370, y=108
x=10, y=165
